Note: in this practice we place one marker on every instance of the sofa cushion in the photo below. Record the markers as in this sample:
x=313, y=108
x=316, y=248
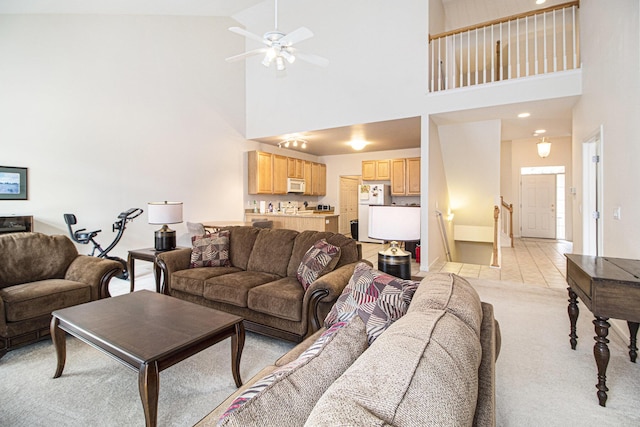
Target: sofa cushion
x=35, y=299
x=304, y=240
x=281, y=298
x=271, y=251
x=210, y=250
x=321, y=258
x=378, y=298
x=191, y=280
x=439, y=353
x=348, y=249
x=234, y=288
x=29, y=257
x=241, y=241
x=287, y=395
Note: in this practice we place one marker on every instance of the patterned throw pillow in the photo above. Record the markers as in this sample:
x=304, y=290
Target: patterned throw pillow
x=320, y=259
x=270, y=381
x=210, y=250
x=378, y=298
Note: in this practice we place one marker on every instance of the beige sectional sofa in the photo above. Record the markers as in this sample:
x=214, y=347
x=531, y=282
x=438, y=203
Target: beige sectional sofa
x=260, y=283
x=40, y=274
x=434, y=366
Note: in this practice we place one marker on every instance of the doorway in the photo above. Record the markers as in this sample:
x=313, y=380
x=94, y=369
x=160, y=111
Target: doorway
x=592, y=198
x=348, y=203
x=542, y=202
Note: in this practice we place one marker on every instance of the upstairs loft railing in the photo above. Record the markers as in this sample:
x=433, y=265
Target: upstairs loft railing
x=523, y=45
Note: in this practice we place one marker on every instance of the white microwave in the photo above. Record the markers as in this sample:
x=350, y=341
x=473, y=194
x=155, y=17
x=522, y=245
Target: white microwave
x=295, y=185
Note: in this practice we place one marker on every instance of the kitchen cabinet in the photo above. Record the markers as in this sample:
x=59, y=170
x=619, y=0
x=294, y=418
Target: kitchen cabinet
x=260, y=167
x=279, y=174
x=405, y=177
x=376, y=170
x=318, y=179
x=413, y=176
x=268, y=174
x=295, y=168
x=398, y=177
x=307, y=169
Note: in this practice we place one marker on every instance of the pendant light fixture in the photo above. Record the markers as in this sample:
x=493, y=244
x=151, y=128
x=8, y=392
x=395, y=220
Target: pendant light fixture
x=544, y=147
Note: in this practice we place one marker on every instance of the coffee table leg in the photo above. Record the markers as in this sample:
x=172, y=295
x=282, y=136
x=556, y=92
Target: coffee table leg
x=149, y=384
x=237, y=344
x=59, y=342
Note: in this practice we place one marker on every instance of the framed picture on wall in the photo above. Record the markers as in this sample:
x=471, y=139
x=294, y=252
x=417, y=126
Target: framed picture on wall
x=13, y=183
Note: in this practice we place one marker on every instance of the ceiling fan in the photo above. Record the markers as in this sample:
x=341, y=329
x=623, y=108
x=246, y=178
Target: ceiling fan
x=279, y=48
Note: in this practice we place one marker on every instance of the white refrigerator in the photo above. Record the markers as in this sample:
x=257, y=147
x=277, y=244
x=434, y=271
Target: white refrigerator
x=370, y=194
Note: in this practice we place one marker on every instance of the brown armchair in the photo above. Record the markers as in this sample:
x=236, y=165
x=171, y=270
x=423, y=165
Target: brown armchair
x=40, y=274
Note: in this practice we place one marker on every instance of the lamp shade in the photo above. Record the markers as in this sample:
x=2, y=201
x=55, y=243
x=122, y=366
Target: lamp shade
x=401, y=223
x=164, y=212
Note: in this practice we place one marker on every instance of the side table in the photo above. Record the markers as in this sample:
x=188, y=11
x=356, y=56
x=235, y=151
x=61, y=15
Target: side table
x=147, y=254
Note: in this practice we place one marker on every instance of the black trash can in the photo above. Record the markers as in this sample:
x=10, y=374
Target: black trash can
x=354, y=229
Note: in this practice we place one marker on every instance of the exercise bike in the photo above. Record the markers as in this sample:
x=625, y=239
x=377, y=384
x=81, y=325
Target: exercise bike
x=84, y=237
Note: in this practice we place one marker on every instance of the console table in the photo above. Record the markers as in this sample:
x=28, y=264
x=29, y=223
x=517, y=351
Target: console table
x=609, y=288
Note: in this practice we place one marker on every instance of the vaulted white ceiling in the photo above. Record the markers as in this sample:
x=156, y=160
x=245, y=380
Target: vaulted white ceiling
x=555, y=116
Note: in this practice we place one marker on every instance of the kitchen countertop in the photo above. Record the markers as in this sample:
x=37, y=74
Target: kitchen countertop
x=312, y=214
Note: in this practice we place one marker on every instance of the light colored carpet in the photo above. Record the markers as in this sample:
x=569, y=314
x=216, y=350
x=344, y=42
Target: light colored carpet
x=540, y=380
x=95, y=390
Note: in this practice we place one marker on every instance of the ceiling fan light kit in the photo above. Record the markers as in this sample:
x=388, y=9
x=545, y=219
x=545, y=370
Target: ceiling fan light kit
x=279, y=50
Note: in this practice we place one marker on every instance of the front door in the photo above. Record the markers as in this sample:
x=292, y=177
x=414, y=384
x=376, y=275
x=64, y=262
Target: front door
x=539, y=206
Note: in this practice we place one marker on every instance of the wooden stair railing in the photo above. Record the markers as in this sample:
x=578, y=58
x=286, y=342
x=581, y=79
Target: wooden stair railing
x=509, y=208
x=494, y=257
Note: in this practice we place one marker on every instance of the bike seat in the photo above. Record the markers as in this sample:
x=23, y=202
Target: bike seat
x=85, y=237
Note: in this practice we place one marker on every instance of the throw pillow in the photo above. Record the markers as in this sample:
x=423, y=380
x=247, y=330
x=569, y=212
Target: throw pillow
x=320, y=259
x=277, y=399
x=210, y=250
x=378, y=298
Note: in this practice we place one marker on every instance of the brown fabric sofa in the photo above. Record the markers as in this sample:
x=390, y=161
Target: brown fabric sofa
x=261, y=284
x=435, y=366
x=40, y=274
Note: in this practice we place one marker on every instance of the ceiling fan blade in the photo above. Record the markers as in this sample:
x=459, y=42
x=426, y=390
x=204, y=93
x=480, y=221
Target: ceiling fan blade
x=247, y=34
x=312, y=59
x=247, y=54
x=296, y=36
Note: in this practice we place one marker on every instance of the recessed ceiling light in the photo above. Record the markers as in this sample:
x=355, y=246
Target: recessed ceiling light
x=357, y=144
x=540, y=1
x=523, y=115
x=540, y=131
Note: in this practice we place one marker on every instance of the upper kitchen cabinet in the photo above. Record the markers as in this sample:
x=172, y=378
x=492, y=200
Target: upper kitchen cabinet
x=398, y=177
x=405, y=177
x=413, y=176
x=260, y=166
x=319, y=179
x=279, y=174
x=306, y=172
x=376, y=170
x=295, y=168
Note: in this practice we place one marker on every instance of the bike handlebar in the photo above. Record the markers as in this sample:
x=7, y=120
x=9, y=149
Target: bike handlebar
x=130, y=214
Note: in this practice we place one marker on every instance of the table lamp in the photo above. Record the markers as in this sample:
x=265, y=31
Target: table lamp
x=394, y=224
x=165, y=213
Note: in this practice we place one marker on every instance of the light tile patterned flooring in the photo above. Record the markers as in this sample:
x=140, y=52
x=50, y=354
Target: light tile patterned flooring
x=535, y=262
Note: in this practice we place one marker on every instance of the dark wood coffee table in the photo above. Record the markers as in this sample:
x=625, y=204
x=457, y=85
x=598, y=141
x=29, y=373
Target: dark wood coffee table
x=148, y=332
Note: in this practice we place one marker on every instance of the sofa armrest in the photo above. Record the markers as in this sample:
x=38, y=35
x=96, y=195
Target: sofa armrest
x=326, y=289
x=490, y=342
x=170, y=262
x=94, y=271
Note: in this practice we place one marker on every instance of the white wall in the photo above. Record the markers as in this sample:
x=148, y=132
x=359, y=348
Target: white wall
x=471, y=155
x=377, y=71
x=611, y=58
x=112, y=112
